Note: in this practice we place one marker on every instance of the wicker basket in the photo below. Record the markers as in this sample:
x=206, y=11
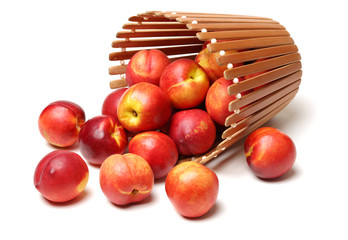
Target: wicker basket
x=182, y=34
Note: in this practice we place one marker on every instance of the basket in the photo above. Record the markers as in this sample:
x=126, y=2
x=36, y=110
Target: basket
x=182, y=35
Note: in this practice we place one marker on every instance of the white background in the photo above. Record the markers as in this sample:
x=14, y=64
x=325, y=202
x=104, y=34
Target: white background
x=52, y=50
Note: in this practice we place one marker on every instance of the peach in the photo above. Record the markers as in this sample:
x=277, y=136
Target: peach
x=146, y=66
x=61, y=176
x=100, y=137
x=157, y=149
x=60, y=123
x=126, y=179
x=269, y=152
x=208, y=61
x=218, y=99
x=144, y=107
x=111, y=101
x=185, y=82
x=192, y=188
x=193, y=131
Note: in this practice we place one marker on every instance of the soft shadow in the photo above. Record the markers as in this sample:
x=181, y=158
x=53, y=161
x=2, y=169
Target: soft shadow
x=82, y=197
x=70, y=148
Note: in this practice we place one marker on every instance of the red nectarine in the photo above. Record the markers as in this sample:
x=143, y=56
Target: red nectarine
x=61, y=176
x=126, y=179
x=60, y=123
x=269, y=152
x=192, y=188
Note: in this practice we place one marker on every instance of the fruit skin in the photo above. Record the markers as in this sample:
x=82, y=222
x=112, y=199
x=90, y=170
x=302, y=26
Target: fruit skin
x=61, y=176
x=60, y=123
x=208, y=61
x=144, y=107
x=111, y=101
x=269, y=152
x=192, y=188
x=218, y=99
x=126, y=179
x=185, y=82
x=193, y=131
x=146, y=66
x=157, y=149
x=100, y=137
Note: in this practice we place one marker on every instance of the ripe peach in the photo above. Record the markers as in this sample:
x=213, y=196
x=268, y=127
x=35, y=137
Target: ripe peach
x=218, y=99
x=144, y=107
x=126, y=179
x=192, y=188
x=100, y=137
x=146, y=66
x=61, y=176
x=185, y=82
x=111, y=102
x=60, y=123
x=193, y=131
x=157, y=149
x=269, y=152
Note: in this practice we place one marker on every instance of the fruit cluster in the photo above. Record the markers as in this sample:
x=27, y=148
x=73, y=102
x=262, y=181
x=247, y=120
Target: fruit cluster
x=169, y=109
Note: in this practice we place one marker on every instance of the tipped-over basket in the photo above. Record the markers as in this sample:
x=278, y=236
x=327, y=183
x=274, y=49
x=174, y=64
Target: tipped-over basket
x=182, y=34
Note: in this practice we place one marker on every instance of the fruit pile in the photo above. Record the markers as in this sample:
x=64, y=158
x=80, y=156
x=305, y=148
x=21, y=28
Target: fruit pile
x=169, y=110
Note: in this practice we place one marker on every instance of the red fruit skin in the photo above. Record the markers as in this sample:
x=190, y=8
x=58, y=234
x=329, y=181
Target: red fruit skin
x=144, y=107
x=111, y=101
x=157, y=149
x=192, y=188
x=193, y=131
x=269, y=152
x=100, y=137
x=146, y=66
x=126, y=179
x=61, y=176
x=185, y=82
x=218, y=99
x=60, y=123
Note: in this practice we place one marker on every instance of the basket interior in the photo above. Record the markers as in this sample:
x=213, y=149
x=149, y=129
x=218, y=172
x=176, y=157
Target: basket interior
x=182, y=35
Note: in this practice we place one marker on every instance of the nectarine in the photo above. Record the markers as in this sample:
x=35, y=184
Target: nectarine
x=269, y=152
x=126, y=179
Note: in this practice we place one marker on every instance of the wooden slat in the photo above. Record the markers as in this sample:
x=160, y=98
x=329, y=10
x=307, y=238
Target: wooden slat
x=256, y=115
x=261, y=66
x=168, y=51
x=249, y=43
x=120, y=69
x=264, y=78
x=255, y=54
x=170, y=14
x=240, y=34
x=264, y=91
x=155, y=33
x=174, y=25
x=229, y=26
x=254, y=107
x=118, y=83
x=155, y=42
x=224, y=20
x=149, y=18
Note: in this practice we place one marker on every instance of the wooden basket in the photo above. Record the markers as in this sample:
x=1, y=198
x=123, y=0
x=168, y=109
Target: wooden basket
x=182, y=34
